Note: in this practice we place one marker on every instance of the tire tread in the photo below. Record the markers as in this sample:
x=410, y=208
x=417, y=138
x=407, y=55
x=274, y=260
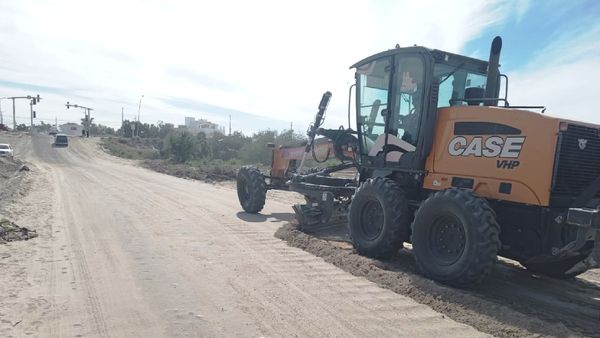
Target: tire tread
x=487, y=239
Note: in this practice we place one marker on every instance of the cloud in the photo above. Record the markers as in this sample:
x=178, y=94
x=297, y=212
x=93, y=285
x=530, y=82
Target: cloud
x=33, y=87
x=200, y=79
x=563, y=76
x=271, y=58
x=521, y=8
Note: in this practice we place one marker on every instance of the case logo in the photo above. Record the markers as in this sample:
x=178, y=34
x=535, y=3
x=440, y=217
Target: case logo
x=506, y=149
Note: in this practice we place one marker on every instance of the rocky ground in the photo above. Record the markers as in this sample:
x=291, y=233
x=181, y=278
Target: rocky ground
x=10, y=232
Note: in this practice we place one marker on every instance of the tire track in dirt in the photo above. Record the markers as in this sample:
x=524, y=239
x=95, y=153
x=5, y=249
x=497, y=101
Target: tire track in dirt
x=494, y=322
x=485, y=309
x=495, y=316
x=382, y=314
x=94, y=306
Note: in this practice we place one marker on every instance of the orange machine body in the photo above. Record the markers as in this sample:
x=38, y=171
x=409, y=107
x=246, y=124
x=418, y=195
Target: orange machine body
x=504, y=154
x=285, y=157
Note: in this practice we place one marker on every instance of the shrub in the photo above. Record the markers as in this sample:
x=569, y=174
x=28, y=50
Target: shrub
x=180, y=147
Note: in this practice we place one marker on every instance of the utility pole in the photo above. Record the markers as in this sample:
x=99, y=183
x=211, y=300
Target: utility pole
x=31, y=114
x=14, y=117
x=33, y=100
x=138, y=119
x=122, y=117
x=229, y=124
x=87, y=111
x=1, y=117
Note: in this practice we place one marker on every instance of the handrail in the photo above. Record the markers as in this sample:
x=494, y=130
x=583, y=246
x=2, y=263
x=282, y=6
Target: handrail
x=506, y=104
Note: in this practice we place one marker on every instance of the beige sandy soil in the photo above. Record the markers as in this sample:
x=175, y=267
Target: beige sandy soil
x=123, y=251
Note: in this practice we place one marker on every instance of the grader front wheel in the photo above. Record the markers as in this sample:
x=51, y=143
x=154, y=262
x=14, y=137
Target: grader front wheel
x=251, y=189
x=379, y=218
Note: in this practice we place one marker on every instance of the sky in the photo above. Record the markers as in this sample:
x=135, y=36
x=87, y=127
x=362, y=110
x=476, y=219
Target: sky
x=267, y=63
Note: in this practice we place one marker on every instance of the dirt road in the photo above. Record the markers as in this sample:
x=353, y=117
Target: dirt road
x=124, y=251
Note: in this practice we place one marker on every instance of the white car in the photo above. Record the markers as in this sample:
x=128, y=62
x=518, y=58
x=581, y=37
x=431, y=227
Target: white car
x=6, y=150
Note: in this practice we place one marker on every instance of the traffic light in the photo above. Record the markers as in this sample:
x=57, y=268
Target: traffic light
x=34, y=101
x=34, y=114
x=68, y=105
x=38, y=97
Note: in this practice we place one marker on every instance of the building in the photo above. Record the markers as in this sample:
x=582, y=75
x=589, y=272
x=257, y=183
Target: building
x=202, y=126
x=71, y=129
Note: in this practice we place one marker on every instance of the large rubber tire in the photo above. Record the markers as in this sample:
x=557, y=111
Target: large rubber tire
x=251, y=189
x=455, y=237
x=555, y=269
x=379, y=218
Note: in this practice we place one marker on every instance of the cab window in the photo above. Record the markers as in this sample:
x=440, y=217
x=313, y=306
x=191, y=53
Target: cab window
x=373, y=84
x=454, y=80
x=408, y=103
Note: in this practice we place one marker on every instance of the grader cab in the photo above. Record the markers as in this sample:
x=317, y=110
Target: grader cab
x=445, y=163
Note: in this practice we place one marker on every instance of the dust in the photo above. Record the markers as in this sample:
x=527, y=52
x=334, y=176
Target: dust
x=399, y=275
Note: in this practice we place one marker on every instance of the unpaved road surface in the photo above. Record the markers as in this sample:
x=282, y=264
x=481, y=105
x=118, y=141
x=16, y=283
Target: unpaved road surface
x=123, y=251
x=511, y=302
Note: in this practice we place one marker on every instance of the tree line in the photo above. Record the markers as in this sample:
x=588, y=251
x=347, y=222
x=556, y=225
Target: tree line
x=183, y=146
x=180, y=145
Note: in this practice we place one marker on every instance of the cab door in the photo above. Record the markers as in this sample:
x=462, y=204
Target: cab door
x=373, y=83
x=390, y=107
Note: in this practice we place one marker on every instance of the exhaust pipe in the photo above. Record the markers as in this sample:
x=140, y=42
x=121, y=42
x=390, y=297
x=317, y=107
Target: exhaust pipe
x=492, y=87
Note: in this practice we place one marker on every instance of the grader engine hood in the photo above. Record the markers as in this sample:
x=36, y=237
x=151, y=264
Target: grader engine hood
x=499, y=153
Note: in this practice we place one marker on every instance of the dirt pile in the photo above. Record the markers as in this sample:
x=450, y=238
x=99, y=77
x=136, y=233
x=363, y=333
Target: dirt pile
x=10, y=232
x=10, y=167
x=15, y=180
x=209, y=172
x=468, y=306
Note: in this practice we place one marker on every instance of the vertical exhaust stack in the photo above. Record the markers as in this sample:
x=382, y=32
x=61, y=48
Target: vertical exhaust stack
x=492, y=87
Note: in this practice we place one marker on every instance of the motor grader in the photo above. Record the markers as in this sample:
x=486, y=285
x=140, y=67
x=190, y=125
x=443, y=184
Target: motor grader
x=445, y=163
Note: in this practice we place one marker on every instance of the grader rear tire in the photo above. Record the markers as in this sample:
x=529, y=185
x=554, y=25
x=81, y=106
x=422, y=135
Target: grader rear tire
x=251, y=189
x=455, y=237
